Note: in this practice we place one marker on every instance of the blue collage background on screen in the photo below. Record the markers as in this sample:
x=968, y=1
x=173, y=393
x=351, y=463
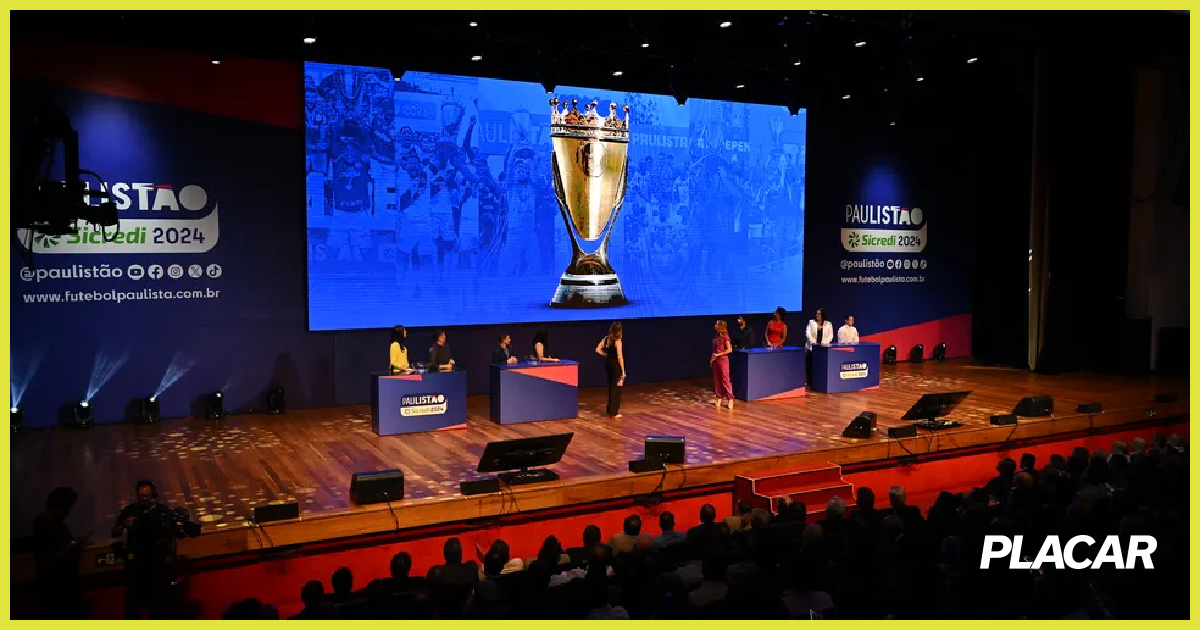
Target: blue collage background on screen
x=430, y=203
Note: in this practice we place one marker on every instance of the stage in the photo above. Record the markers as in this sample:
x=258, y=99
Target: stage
x=222, y=470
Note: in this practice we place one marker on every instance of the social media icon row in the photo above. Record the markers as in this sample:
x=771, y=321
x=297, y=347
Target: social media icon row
x=896, y=263
x=174, y=272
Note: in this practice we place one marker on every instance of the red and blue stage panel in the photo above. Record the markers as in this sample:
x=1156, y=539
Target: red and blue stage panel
x=762, y=374
x=528, y=392
x=845, y=367
x=412, y=403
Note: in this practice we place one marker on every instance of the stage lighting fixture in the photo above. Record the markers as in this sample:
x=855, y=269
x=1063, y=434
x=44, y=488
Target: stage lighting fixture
x=147, y=410
x=917, y=354
x=214, y=406
x=726, y=24
x=310, y=40
x=939, y=352
x=275, y=402
x=17, y=418
x=617, y=73
x=919, y=79
x=972, y=59
x=645, y=44
x=83, y=415
x=889, y=355
x=740, y=85
x=473, y=24
x=216, y=61
x=846, y=97
x=476, y=57
x=795, y=63
x=859, y=44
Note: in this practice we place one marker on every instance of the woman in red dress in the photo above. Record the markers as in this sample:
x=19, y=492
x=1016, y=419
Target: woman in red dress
x=777, y=330
x=721, y=347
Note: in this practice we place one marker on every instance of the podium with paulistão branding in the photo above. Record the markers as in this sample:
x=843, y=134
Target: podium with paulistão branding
x=412, y=403
x=844, y=367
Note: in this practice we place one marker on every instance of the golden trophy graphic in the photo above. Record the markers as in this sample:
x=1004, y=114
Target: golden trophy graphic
x=590, y=163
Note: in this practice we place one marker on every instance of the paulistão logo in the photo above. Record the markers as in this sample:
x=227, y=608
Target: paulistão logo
x=865, y=238
x=150, y=223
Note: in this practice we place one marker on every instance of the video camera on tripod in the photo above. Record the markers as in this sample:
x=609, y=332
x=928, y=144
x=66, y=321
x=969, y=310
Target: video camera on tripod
x=152, y=536
x=50, y=207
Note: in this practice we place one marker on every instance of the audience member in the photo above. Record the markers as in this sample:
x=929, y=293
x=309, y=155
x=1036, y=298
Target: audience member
x=668, y=536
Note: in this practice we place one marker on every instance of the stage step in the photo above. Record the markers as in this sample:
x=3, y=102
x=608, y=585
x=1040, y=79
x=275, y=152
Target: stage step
x=813, y=486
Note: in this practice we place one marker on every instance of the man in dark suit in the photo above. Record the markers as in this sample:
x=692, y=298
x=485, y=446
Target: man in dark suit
x=503, y=353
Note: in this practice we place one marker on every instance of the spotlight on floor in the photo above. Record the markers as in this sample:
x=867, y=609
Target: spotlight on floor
x=889, y=356
x=146, y=410
x=214, y=406
x=939, y=352
x=275, y=402
x=917, y=354
x=82, y=415
x=17, y=417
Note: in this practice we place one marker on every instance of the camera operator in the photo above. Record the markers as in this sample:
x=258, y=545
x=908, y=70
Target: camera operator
x=152, y=530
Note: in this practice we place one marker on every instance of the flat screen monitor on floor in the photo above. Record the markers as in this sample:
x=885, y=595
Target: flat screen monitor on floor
x=524, y=453
x=932, y=406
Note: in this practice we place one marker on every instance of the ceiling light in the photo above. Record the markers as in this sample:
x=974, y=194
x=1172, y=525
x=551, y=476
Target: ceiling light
x=216, y=62
x=477, y=58
x=740, y=86
x=846, y=97
x=973, y=60
x=795, y=63
x=920, y=78
x=893, y=123
x=645, y=44
x=396, y=79
x=859, y=44
x=310, y=40
x=473, y=24
x=726, y=24
x=617, y=73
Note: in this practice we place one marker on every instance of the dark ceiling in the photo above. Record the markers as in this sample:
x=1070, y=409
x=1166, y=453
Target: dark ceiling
x=810, y=59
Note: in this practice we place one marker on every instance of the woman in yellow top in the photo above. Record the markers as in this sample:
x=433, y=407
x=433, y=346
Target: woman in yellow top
x=398, y=351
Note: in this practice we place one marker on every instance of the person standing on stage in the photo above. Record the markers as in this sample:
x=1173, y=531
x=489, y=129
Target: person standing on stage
x=503, y=353
x=540, y=349
x=818, y=331
x=848, y=333
x=610, y=347
x=777, y=330
x=721, y=347
x=440, y=357
x=398, y=351
x=742, y=336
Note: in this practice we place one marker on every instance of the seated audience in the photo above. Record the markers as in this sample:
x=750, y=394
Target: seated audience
x=669, y=537
x=631, y=539
x=315, y=606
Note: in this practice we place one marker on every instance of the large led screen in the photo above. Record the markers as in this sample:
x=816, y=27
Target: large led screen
x=432, y=202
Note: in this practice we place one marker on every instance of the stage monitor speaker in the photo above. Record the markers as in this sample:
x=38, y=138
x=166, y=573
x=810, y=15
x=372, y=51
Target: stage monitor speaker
x=1004, y=419
x=646, y=465
x=905, y=431
x=1089, y=408
x=665, y=448
x=480, y=486
x=1035, y=406
x=1166, y=398
x=377, y=487
x=276, y=512
x=870, y=416
x=859, y=428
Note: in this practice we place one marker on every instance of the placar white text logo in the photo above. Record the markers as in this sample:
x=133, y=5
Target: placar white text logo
x=1061, y=556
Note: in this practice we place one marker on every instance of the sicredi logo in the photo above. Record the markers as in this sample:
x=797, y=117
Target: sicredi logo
x=1059, y=556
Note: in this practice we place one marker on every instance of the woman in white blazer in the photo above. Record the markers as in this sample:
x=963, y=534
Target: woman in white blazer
x=819, y=330
x=815, y=325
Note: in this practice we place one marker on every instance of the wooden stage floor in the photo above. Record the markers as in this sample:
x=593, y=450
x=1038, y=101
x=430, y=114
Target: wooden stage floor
x=221, y=471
